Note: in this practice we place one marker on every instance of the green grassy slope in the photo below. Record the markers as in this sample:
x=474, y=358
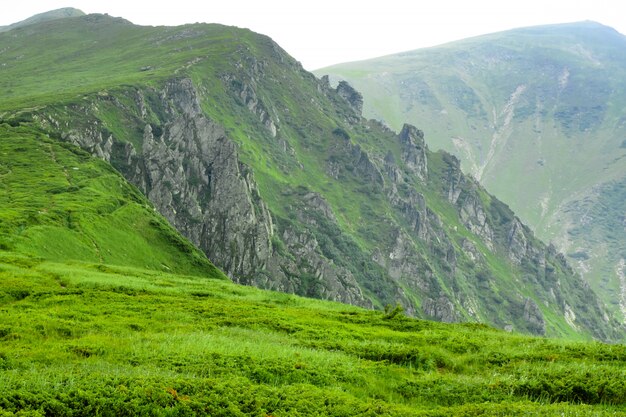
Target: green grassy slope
x=52, y=61
x=44, y=17
x=109, y=341
x=536, y=114
x=59, y=203
x=102, y=75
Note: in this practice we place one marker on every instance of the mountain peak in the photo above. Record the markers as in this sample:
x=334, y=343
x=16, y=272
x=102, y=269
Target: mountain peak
x=44, y=17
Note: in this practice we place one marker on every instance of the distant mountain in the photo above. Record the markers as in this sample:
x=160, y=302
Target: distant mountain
x=538, y=116
x=278, y=178
x=44, y=17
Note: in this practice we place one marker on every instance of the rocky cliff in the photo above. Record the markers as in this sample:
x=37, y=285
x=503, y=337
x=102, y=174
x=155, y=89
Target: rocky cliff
x=537, y=116
x=278, y=178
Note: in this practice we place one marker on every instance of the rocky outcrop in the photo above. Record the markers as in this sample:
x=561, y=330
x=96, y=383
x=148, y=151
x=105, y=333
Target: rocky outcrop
x=191, y=171
x=517, y=241
x=414, y=150
x=316, y=202
x=440, y=308
x=347, y=159
x=316, y=275
x=534, y=317
x=353, y=97
x=474, y=217
x=246, y=92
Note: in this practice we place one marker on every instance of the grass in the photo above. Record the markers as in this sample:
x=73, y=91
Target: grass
x=92, y=339
x=59, y=203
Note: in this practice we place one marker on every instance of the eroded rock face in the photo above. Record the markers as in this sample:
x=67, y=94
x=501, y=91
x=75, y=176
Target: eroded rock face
x=414, y=150
x=441, y=308
x=534, y=317
x=193, y=176
x=191, y=171
x=353, y=97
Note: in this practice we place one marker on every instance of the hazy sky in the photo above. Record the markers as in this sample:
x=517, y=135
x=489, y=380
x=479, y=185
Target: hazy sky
x=324, y=32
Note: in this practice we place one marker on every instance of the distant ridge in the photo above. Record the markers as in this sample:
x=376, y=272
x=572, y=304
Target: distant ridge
x=45, y=16
x=536, y=114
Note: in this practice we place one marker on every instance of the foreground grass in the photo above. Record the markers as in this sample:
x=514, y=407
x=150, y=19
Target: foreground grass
x=82, y=339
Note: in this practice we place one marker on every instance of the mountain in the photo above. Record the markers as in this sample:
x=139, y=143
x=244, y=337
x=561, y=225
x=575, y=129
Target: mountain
x=278, y=178
x=44, y=17
x=537, y=116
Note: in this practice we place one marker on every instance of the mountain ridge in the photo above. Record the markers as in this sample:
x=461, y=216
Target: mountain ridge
x=62, y=13
x=535, y=114
x=107, y=310
x=323, y=202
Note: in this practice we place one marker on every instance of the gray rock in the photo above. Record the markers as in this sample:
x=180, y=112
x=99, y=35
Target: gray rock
x=414, y=150
x=534, y=317
x=353, y=97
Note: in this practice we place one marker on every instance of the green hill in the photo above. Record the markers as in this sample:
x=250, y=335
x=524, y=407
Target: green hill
x=537, y=116
x=281, y=182
x=44, y=17
x=99, y=340
x=59, y=203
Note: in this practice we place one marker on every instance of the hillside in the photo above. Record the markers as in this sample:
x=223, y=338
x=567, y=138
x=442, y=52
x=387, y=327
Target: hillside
x=85, y=340
x=59, y=203
x=537, y=116
x=281, y=182
x=44, y=17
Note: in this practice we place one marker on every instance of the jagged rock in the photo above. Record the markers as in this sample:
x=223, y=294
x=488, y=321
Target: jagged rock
x=348, y=158
x=247, y=93
x=316, y=202
x=392, y=170
x=455, y=178
x=534, y=317
x=475, y=219
x=517, y=241
x=326, y=280
x=414, y=150
x=441, y=309
x=324, y=84
x=353, y=97
x=470, y=250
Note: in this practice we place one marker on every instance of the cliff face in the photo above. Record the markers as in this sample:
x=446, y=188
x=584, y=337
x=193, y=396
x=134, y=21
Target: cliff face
x=190, y=170
x=537, y=116
x=284, y=185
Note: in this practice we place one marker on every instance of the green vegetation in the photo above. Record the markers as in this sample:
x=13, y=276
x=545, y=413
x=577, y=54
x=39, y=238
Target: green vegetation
x=106, y=310
x=294, y=138
x=536, y=114
x=82, y=339
x=59, y=203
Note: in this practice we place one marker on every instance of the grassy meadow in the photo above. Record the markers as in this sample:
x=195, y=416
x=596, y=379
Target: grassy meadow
x=81, y=339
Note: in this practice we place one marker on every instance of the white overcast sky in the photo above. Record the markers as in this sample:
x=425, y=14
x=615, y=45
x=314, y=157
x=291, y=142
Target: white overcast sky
x=325, y=32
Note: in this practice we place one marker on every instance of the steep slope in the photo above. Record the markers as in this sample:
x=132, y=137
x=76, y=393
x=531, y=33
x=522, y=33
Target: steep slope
x=59, y=203
x=279, y=179
x=537, y=116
